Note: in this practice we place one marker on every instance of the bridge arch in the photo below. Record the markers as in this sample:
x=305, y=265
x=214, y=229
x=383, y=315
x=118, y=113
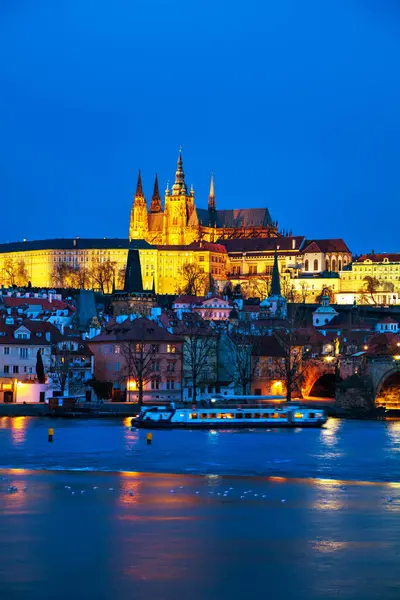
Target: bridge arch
x=387, y=391
x=324, y=386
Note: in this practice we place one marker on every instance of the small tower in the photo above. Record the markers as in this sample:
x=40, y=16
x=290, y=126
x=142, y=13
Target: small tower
x=155, y=206
x=139, y=224
x=211, y=203
x=276, y=302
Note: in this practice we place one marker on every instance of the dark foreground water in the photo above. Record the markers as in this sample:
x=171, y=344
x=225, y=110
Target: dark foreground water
x=302, y=514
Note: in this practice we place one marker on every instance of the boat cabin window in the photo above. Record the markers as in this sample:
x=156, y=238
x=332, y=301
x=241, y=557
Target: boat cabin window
x=247, y=415
x=298, y=415
x=203, y=415
x=256, y=415
x=311, y=415
x=239, y=415
x=193, y=415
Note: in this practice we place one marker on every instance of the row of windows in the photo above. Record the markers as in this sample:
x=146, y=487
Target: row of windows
x=16, y=369
x=23, y=352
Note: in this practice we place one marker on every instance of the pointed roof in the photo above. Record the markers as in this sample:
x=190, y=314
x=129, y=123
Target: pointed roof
x=155, y=205
x=276, y=282
x=179, y=186
x=133, y=273
x=139, y=188
x=211, y=196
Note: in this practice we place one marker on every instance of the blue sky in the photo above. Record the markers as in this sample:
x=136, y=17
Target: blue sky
x=294, y=105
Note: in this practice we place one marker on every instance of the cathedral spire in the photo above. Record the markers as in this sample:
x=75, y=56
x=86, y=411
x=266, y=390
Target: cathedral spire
x=155, y=205
x=179, y=186
x=276, y=282
x=211, y=197
x=139, y=188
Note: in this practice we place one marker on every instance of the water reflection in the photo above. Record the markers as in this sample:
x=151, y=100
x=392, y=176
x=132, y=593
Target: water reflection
x=393, y=430
x=18, y=430
x=131, y=435
x=329, y=433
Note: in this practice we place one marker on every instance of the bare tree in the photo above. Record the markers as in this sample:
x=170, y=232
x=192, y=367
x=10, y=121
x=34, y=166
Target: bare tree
x=103, y=274
x=199, y=350
x=304, y=289
x=64, y=275
x=61, y=369
x=291, y=367
x=243, y=358
x=140, y=364
x=326, y=291
x=258, y=286
x=371, y=285
x=15, y=272
x=194, y=279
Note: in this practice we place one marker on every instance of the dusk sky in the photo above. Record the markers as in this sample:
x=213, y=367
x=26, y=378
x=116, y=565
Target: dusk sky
x=293, y=105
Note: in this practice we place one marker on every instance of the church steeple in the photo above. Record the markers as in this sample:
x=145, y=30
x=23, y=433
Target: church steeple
x=155, y=206
x=179, y=187
x=138, y=226
x=276, y=282
x=139, y=188
x=211, y=196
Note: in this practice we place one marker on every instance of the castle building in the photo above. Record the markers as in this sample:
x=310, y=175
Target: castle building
x=181, y=222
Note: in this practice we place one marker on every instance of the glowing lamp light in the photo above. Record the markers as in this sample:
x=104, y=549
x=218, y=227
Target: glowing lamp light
x=396, y=357
x=131, y=385
x=328, y=358
x=365, y=347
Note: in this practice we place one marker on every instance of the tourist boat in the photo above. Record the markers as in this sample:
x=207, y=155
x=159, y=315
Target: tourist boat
x=229, y=417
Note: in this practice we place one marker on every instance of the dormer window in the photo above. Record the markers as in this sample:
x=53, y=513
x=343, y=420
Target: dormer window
x=22, y=336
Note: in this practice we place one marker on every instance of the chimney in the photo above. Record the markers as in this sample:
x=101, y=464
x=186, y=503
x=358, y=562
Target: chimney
x=293, y=244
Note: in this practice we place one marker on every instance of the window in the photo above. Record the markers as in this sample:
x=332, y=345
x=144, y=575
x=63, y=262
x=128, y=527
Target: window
x=117, y=366
x=170, y=384
x=315, y=265
x=117, y=349
x=201, y=258
x=22, y=336
x=6, y=368
x=23, y=352
x=155, y=366
x=155, y=384
x=253, y=269
x=306, y=265
x=15, y=369
x=171, y=367
x=6, y=350
x=171, y=348
x=155, y=348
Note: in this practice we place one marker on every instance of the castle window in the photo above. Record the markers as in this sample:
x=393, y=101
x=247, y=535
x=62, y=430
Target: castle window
x=315, y=265
x=306, y=265
x=201, y=258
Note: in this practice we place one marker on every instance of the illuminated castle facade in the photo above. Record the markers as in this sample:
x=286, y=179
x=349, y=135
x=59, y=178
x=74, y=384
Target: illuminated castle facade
x=181, y=223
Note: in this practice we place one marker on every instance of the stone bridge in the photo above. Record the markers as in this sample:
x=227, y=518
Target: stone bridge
x=359, y=382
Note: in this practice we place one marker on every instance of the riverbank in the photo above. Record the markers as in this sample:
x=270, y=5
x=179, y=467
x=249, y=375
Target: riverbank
x=124, y=409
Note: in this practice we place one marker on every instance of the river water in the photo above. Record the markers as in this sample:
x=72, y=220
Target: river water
x=288, y=513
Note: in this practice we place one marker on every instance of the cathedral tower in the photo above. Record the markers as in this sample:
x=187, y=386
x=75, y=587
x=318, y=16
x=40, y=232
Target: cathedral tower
x=155, y=206
x=139, y=225
x=180, y=218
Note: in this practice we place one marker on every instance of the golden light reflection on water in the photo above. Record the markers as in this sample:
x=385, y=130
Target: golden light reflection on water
x=4, y=423
x=329, y=433
x=18, y=430
x=393, y=429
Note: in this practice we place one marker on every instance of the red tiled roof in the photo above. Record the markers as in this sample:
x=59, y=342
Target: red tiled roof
x=189, y=300
x=136, y=330
x=35, y=328
x=329, y=245
x=12, y=301
x=378, y=258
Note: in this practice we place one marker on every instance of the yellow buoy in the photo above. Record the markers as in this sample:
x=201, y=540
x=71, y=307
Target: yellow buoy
x=50, y=434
